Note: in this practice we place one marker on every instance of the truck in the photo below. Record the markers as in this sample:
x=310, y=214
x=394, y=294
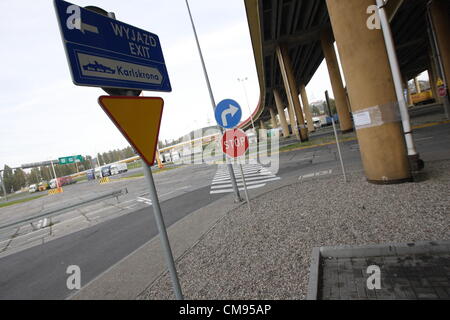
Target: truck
x=90, y=174
x=42, y=186
x=62, y=181
x=117, y=168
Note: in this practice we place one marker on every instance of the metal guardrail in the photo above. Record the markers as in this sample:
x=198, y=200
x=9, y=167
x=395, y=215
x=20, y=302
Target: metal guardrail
x=59, y=211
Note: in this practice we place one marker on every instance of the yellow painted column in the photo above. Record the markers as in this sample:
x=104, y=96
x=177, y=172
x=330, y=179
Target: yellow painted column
x=158, y=159
x=440, y=15
x=340, y=97
x=371, y=91
x=291, y=92
x=432, y=79
x=293, y=122
x=417, y=84
x=273, y=119
x=306, y=108
x=281, y=114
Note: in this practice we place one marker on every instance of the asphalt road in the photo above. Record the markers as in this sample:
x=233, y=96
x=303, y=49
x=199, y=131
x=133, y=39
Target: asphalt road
x=40, y=272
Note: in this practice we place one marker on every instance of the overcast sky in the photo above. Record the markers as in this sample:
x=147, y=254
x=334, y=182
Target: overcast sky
x=44, y=115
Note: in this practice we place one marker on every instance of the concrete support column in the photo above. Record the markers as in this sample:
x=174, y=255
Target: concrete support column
x=273, y=118
x=292, y=92
x=432, y=79
x=417, y=84
x=340, y=97
x=292, y=122
x=280, y=109
x=370, y=85
x=307, y=109
x=440, y=11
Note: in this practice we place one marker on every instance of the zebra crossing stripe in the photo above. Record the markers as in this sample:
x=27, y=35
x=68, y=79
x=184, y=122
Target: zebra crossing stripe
x=255, y=174
x=240, y=189
x=257, y=179
x=246, y=175
x=144, y=200
x=248, y=183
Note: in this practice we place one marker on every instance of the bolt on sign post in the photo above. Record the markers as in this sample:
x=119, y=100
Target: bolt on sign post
x=123, y=60
x=235, y=144
x=327, y=98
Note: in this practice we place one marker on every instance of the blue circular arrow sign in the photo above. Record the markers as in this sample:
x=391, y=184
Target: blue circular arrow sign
x=228, y=113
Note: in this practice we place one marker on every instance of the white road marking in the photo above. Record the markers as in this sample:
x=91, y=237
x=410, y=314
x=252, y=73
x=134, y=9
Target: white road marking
x=315, y=174
x=144, y=200
x=256, y=176
x=240, y=189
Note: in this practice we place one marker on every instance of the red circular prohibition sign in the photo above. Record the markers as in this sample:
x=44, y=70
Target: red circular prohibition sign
x=234, y=143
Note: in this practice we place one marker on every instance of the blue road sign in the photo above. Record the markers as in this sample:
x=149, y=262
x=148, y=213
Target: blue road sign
x=104, y=52
x=228, y=113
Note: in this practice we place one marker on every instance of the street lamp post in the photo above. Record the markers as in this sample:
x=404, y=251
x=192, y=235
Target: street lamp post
x=213, y=103
x=246, y=98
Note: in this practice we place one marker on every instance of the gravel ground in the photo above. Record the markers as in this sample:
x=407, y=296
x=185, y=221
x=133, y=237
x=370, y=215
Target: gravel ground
x=266, y=254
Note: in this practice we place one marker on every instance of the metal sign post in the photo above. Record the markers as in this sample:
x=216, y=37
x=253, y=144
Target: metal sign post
x=213, y=103
x=54, y=173
x=245, y=188
x=335, y=134
x=3, y=186
x=139, y=119
x=162, y=231
x=104, y=52
x=235, y=144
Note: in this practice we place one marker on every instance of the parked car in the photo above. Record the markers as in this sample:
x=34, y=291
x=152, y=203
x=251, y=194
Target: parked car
x=32, y=188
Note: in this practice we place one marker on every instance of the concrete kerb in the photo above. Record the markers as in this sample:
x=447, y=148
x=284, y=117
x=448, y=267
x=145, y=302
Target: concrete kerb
x=374, y=250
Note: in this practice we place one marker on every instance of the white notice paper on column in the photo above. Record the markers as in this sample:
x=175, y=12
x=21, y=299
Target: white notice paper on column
x=362, y=119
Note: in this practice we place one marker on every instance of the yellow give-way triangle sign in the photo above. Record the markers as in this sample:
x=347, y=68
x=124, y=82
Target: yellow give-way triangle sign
x=138, y=119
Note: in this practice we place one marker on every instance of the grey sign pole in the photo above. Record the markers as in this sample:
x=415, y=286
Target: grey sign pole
x=54, y=173
x=245, y=188
x=162, y=232
x=160, y=224
x=3, y=186
x=229, y=165
x=336, y=136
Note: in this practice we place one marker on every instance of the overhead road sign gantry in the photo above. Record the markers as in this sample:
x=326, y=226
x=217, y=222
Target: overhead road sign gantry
x=138, y=119
x=71, y=159
x=228, y=113
x=104, y=52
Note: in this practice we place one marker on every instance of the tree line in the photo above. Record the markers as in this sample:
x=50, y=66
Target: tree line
x=16, y=179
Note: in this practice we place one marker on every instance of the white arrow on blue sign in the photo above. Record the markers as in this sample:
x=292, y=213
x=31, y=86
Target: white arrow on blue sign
x=104, y=52
x=228, y=113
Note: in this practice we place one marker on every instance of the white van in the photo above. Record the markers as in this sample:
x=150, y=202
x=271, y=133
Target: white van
x=117, y=168
x=32, y=188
